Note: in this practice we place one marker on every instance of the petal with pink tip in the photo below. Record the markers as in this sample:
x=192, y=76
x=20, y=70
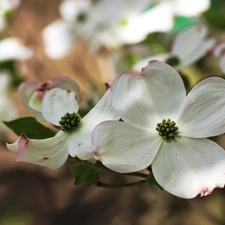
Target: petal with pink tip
x=124, y=148
x=50, y=152
x=188, y=167
x=145, y=99
x=202, y=114
x=31, y=93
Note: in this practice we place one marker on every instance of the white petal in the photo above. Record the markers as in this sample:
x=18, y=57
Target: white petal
x=196, y=53
x=70, y=9
x=65, y=83
x=142, y=63
x=147, y=22
x=56, y=103
x=191, y=44
x=80, y=143
x=203, y=112
x=187, y=38
x=4, y=81
x=145, y=99
x=11, y=49
x=190, y=167
x=102, y=111
x=124, y=148
x=222, y=63
x=187, y=8
x=59, y=38
x=109, y=13
x=30, y=97
x=218, y=50
x=8, y=110
x=50, y=152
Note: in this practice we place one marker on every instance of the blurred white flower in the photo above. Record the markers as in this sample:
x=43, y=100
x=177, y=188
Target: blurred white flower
x=6, y=7
x=12, y=49
x=186, y=7
x=113, y=23
x=189, y=46
x=88, y=21
x=59, y=38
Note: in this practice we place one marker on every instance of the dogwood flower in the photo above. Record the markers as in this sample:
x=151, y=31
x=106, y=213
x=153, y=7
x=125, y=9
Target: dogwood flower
x=60, y=107
x=166, y=129
x=31, y=93
x=189, y=46
x=6, y=7
x=83, y=19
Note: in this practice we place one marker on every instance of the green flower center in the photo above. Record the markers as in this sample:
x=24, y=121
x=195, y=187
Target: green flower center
x=70, y=121
x=82, y=17
x=173, y=61
x=167, y=129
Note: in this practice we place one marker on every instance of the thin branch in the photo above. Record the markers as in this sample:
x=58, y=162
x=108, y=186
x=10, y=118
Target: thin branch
x=105, y=185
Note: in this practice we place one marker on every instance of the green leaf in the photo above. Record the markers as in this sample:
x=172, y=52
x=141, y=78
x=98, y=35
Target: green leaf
x=130, y=59
x=215, y=17
x=30, y=127
x=183, y=22
x=84, y=173
x=151, y=180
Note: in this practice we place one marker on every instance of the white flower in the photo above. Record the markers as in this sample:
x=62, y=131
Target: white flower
x=11, y=49
x=31, y=93
x=60, y=34
x=159, y=18
x=8, y=110
x=184, y=162
x=60, y=107
x=83, y=19
x=189, y=46
x=6, y=6
x=135, y=28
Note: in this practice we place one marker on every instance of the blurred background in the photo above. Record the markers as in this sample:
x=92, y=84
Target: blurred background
x=91, y=42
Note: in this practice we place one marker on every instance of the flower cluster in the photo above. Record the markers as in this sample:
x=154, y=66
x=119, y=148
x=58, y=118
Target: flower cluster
x=143, y=120
x=112, y=23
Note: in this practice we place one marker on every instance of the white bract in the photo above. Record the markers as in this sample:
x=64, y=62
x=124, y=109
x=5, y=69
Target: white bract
x=6, y=7
x=184, y=7
x=31, y=93
x=75, y=136
x=12, y=49
x=219, y=52
x=184, y=162
x=189, y=46
x=106, y=22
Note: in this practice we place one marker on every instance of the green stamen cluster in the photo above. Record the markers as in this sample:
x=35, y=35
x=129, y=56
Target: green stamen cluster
x=167, y=129
x=70, y=121
x=82, y=17
x=173, y=61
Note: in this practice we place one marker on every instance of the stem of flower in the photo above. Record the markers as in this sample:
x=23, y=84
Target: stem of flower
x=105, y=185
x=136, y=174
